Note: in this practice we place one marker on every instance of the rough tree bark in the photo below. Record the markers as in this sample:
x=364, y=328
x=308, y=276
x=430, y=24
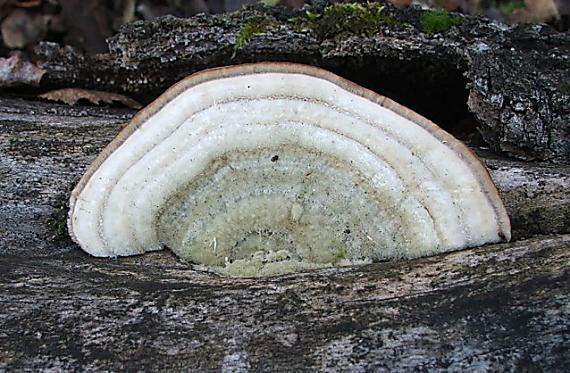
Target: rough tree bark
x=516, y=79
x=501, y=307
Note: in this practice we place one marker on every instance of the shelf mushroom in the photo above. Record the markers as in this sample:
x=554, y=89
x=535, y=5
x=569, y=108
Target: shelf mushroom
x=269, y=168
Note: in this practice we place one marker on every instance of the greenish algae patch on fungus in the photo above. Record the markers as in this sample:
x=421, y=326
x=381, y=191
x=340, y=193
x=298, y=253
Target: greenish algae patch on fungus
x=434, y=21
x=341, y=20
x=340, y=254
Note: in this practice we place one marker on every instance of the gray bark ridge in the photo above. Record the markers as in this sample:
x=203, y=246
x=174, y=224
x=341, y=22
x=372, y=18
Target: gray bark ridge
x=517, y=77
x=499, y=308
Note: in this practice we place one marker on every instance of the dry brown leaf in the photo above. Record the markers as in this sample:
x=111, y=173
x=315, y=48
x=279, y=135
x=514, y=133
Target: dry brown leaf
x=70, y=96
x=17, y=71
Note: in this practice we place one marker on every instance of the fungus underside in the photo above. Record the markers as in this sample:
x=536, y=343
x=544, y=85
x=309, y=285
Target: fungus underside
x=269, y=168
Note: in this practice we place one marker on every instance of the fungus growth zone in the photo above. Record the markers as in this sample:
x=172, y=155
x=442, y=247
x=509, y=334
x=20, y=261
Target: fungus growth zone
x=269, y=168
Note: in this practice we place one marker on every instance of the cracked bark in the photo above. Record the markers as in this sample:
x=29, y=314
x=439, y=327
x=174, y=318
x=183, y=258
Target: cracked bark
x=515, y=79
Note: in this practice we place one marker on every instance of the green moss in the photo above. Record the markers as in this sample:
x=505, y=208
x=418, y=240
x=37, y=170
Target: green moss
x=340, y=20
x=58, y=223
x=255, y=26
x=509, y=7
x=433, y=21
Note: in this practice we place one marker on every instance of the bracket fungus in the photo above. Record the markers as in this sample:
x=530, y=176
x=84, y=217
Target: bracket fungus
x=269, y=168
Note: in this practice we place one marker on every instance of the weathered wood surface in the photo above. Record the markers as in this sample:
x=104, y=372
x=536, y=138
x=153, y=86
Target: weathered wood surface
x=498, y=308
x=44, y=150
x=503, y=307
x=536, y=195
x=514, y=79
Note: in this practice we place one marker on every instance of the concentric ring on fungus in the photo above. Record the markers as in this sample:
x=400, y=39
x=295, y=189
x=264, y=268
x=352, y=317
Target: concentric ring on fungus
x=270, y=168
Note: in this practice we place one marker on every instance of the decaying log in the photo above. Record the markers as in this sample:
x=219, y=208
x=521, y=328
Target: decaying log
x=536, y=195
x=500, y=307
x=514, y=79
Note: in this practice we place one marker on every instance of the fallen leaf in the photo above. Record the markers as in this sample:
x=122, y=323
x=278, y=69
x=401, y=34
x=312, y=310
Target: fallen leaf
x=70, y=96
x=17, y=71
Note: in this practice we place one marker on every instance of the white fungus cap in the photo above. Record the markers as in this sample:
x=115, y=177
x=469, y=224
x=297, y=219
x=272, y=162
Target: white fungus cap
x=279, y=157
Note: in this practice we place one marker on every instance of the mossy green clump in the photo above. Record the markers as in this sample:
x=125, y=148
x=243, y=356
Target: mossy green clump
x=60, y=228
x=507, y=8
x=433, y=21
x=345, y=19
x=58, y=223
x=255, y=26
